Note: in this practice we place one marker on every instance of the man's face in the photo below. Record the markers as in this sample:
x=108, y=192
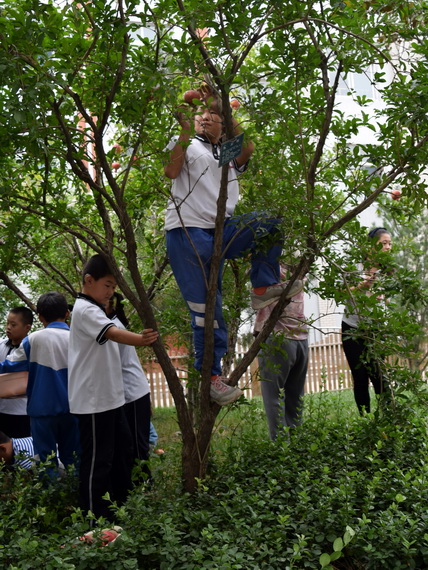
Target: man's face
x=16, y=330
x=209, y=124
x=100, y=290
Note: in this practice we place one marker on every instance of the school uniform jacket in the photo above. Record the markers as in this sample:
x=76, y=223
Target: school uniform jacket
x=44, y=354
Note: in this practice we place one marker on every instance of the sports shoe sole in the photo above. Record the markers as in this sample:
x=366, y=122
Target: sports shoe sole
x=260, y=304
x=229, y=399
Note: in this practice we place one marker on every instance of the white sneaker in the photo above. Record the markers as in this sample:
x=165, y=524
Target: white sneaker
x=273, y=292
x=222, y=394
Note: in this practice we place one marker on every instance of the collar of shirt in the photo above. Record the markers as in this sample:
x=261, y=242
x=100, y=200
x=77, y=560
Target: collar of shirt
x=215, y=147
x=57, y=325
x=91, y=300
x=10, y=346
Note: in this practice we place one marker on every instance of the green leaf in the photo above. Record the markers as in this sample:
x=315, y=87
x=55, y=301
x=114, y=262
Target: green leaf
x=347, y=537
x=338, y=544
x=400, y=498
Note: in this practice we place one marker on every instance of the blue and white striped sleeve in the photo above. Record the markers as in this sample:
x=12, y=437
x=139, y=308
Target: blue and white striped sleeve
x=23, y=451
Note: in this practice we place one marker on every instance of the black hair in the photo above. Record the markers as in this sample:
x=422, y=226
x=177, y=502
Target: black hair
x=52, y=306
x=97, y=267
x=26, y=314
x=115, y=309
x=377, y=232
x=4, y=438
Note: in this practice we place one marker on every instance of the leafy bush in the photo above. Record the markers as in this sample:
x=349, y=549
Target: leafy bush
x=340, y=492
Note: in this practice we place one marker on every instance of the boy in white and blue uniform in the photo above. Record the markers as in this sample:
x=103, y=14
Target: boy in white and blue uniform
x=13, y=411
x=44, y=354
x=96, y=391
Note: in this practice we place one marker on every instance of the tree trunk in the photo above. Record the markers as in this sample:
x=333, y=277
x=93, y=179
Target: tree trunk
x=195, y=452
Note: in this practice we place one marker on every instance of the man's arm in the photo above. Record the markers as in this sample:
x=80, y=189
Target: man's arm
x=147, y=337
x=178, y=154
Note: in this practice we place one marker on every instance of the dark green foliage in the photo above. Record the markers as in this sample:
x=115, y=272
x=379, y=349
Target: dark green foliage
x=343, y=492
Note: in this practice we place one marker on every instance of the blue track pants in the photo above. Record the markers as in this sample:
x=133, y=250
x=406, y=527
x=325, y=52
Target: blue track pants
x=190, y=261
x=50, y=431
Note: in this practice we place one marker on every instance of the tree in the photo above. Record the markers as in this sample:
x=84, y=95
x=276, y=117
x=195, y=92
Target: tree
x=412, y=256
x=77, y=78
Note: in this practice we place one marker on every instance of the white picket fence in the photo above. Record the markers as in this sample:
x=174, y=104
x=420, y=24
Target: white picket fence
x=327, y=369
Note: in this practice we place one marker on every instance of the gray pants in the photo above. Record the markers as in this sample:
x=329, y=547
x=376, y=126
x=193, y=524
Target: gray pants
x=283, y=364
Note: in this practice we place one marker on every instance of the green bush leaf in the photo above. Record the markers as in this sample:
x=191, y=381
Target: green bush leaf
x=338, y=544
x=324, y=560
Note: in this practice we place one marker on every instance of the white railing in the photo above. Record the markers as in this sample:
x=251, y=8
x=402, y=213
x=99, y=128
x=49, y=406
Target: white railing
x=327, y=370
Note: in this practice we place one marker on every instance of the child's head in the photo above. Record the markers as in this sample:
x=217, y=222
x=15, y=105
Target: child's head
x=18, y=324
x=6, y=449
x=98, y=280
x=381, y=236
x=52, y=307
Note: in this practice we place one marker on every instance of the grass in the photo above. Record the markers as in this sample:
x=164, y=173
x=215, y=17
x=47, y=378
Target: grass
x=233, y=420
x=233, y=423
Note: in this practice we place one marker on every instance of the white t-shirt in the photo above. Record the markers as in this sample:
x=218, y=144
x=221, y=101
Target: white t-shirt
x=95, y=382
x=135, y=383
x=12, y=406
x=195, y=190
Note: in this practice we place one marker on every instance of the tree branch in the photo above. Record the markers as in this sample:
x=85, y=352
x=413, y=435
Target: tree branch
x=11, y=285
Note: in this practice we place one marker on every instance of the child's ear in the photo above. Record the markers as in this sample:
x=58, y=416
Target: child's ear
x=87, y=280
x=41, y=319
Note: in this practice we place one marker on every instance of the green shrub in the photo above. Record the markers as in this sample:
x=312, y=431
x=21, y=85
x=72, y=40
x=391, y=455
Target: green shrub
x=341, y=491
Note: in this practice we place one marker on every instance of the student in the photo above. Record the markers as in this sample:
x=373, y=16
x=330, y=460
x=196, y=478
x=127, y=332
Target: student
x=96, y=391
x=44, y=354
x=283, y=362
x=17, y=452
x=136, y=388
x=13, y=411
x=357, y=350
x=190, y=221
